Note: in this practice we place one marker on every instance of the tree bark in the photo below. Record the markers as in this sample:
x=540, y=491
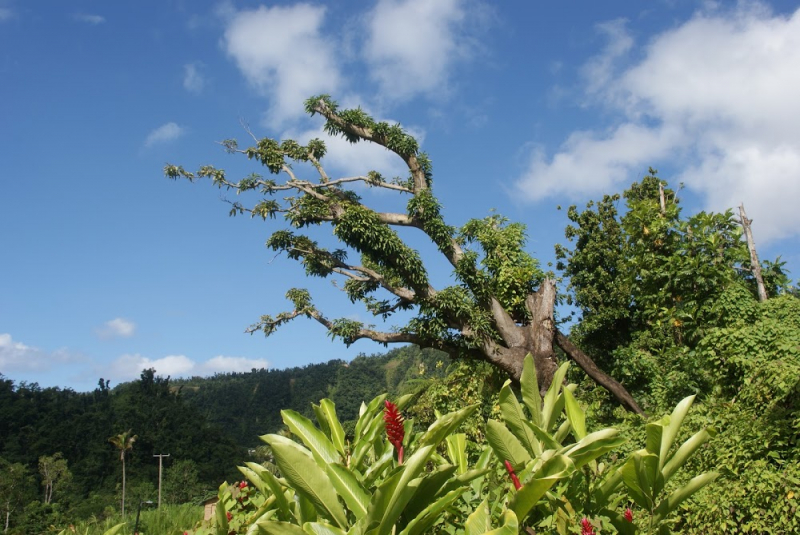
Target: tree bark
x=538, y=338
x=755, y=265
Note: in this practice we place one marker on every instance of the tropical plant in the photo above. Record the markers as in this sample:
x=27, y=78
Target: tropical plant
x=124, y=443
x=364, y=484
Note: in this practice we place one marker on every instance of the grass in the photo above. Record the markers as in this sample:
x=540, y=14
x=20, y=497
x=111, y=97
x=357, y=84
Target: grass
x=169, y=520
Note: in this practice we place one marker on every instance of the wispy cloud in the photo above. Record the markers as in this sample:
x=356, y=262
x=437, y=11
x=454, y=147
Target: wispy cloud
x=116, y=328
x=412, y=45
x=128, y=367
x=283, y=52
x=193, y=79
x=89, y=19
x=163, y=134
x=714, y=97
x=18, y=357
x=6, y=13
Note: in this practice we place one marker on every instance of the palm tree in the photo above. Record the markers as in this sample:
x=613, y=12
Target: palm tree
x=123, y=442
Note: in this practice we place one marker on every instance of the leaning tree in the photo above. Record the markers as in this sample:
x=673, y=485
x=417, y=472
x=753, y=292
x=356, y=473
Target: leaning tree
x=500, y=305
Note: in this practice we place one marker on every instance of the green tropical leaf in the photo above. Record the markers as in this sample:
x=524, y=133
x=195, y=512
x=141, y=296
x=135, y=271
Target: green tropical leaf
x=445, y=425
x=271, y=527
x=687, y=449
x=304, y=475
x=556, y=468
x=431, y=514
x=348, y=487
x=315, y=440
x=116, y=529
x=315, y=528
x=337, y=435
x=505, y=445
x=672, y=502
x=575, y=415
x=529, y=386
x=274, y=486
x=457, y=451
x=479, y=521
x=367, y=414
x=671, y=431
x=510, y=525
x=515, y=420
x=553, y=403
x=593, y=445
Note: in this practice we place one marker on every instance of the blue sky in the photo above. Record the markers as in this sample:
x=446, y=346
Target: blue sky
x=107, y=267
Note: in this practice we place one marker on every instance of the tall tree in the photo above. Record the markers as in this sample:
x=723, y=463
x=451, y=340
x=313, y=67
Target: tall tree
x=124, y=443
x=54, y=471
x=500, y=305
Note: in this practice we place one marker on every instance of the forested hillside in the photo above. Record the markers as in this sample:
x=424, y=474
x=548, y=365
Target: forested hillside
x=206, y=425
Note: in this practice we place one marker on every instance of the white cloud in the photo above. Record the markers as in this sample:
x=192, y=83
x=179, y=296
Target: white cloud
x=116, y=328
x=6, y=13
x=163, y=134
x=714, y=97
x=283, y=52
x=412, y=45
x=89, y=19
x=193, y=80
x=129, y=367
x=18, y=357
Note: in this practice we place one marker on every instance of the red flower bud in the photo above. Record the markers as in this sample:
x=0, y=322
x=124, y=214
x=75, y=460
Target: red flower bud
x=628, y=515
x=243, y=484
x=514, y=478
x=229, y=515
x=586, y=527
x=395, y=431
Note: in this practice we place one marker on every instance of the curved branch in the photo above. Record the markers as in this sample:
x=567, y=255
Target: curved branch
x=599, y=376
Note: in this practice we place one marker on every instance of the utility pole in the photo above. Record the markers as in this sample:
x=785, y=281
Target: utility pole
x=160, y=459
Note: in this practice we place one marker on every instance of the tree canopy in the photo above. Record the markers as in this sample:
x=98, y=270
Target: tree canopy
x=500, y=304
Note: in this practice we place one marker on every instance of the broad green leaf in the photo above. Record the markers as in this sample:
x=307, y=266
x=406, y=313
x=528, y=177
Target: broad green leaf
x=430, y=515
x=336, y=431
x=221, y=518
x=510, y=525
x=457, y=450
x=315, y=528
x=529, y=387
x=366, y=415
x=671, y=432
x=114, y=530
x=404, y=489
x=445, y=425
x=305, y=511
x=654, y=432
x=553, y=403
x=430, y=487
x=322, y=419
x=479, y=521
x=315, y=440
x=306, y=477
x=638, y=474
x=676, y=497
x=593, y=445
x=515, y=420
x=543, y=436
x=348, y=487
x=275, y=488
x=555, y=468
x=505, y=445
x=271, y=527
x=686, y=450
x=371, y=435
x=575, y=415
x=377, y=468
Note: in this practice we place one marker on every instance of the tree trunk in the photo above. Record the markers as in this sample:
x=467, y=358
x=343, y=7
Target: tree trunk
x=123, y=484
x=538, y=339
x=755, y=265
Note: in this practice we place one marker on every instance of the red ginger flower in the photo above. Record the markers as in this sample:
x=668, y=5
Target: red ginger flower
x=586, y=527
x=243, y=485
x=514, y=478
x=395, y=431
x=229, y=515
x=628, y=515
